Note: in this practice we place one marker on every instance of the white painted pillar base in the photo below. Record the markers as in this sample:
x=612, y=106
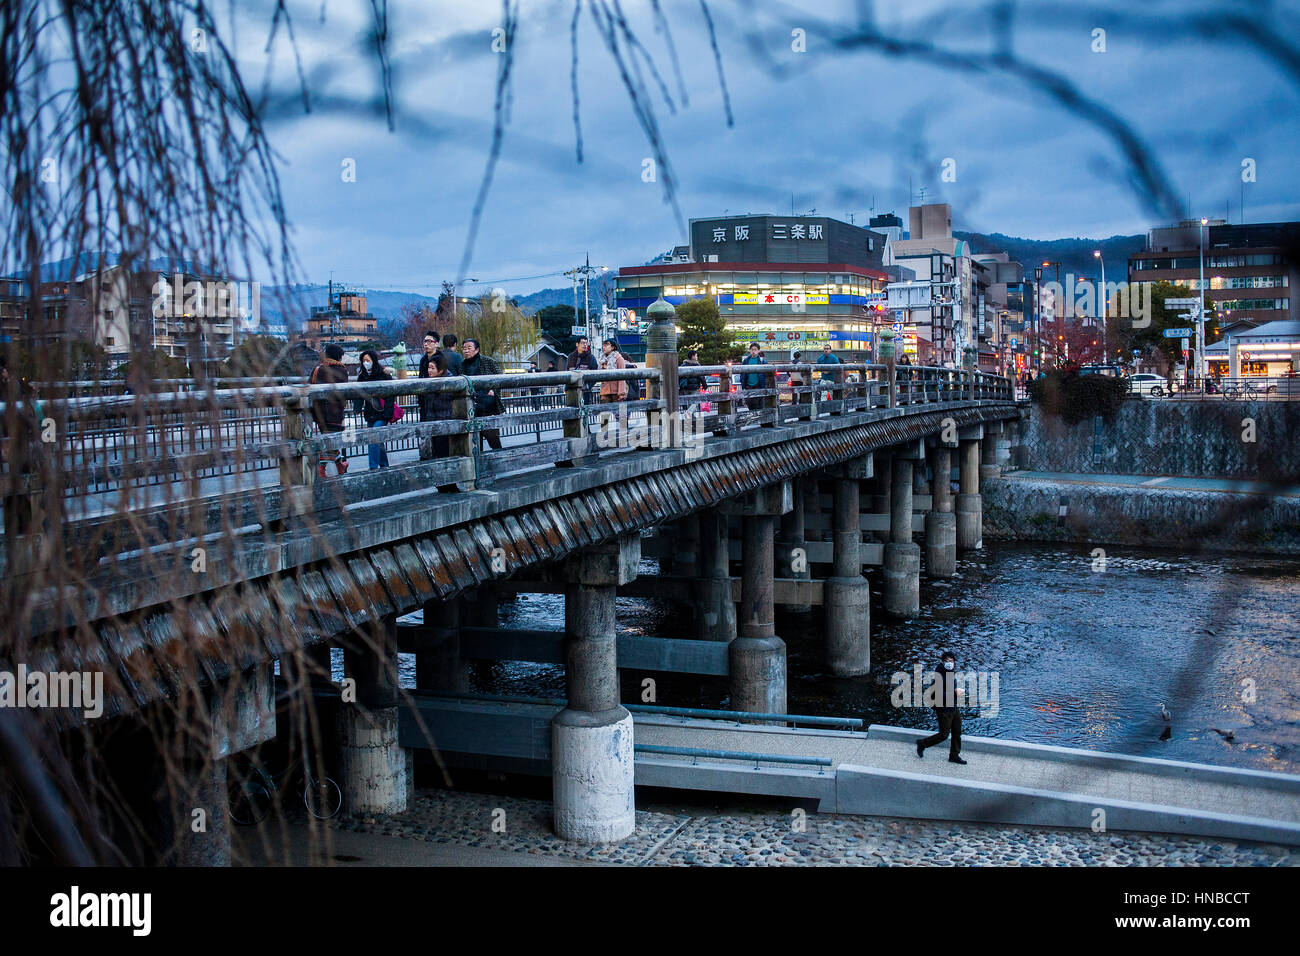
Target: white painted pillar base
x=592, y=775
x=372, y=767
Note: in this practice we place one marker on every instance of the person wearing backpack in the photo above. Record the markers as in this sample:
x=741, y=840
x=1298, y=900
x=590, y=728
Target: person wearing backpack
x=328, y=412
x=375, y=412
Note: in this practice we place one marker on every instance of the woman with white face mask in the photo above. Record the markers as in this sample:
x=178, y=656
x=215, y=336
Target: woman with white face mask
x=375, y=411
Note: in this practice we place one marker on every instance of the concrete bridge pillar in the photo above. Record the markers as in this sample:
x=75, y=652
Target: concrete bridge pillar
x=940, y=522
x=847, y=595
x=989, y=465
x=902, y=558
x=970, y=506
x=238, y=713
x=686, y=547
x=372, y=765
x=591, y=739
x=715, y=611
x=757, y=655
x=791, y=555
x=310, y=665
x=438, y=662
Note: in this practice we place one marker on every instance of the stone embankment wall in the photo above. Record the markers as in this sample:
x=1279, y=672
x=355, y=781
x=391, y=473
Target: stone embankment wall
x=1171, y=437
x=1190, y=439
x=1023, y=510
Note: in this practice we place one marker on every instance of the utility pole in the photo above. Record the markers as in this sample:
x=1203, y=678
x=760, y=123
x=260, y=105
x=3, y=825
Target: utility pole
x=586, y=295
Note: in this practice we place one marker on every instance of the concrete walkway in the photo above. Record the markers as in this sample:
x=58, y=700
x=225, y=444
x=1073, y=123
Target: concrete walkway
x=1008, y=780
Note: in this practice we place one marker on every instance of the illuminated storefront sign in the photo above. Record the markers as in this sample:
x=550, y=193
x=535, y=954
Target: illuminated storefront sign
x=781, y=298
x=794, y=336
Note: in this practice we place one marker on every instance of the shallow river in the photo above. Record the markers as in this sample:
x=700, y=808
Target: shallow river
x=1083, y=658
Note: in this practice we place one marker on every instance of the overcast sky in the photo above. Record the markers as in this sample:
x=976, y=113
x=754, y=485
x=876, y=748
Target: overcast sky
x=839, y=130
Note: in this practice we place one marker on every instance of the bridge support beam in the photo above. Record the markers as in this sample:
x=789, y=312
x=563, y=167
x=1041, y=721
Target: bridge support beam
x=791, y=555
x=372, y=765
x=591, y=739
x=757, y=655
x=940, y=522
x=970, y=506
x=847, y=595
x=902, y=577
x=715, y=611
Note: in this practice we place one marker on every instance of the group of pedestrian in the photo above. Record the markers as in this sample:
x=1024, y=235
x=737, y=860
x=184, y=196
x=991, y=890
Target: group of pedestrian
x=751, y=381
x=440, y=358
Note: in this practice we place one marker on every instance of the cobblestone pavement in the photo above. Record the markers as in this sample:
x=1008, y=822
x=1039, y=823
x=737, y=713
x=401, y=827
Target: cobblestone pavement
x=741, y=835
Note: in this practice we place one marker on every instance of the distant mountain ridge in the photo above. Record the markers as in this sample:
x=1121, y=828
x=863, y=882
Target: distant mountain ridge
x=1074, y=254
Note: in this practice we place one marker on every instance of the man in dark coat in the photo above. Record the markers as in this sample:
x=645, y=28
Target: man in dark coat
x=328, y=412
x=949, y=698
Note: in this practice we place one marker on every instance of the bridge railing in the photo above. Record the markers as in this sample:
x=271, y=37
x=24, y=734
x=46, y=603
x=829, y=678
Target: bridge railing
x=267, y=439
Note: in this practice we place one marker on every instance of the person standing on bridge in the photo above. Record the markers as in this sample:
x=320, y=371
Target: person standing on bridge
x=949, y=697
x=754, y=380
x=455, y=361
x=581, y=359
x=376, y=412
x=611, y=358
x=328, y=412
x=485, y=403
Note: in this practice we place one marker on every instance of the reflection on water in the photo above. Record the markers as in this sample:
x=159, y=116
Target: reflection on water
x=1084, y=658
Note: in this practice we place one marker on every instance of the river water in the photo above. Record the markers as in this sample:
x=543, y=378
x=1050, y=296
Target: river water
x=1083, y=657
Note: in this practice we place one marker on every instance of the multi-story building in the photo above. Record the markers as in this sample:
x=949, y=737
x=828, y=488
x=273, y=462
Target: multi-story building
x=343, y=321
x=1000, y=312
x=1249, y=269
x=189, y=316
x=945, y=325
x=790, y=283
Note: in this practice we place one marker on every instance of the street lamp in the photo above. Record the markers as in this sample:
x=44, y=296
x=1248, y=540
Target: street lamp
x=1037, y=318
x=1103, y=306
x=1200, y=309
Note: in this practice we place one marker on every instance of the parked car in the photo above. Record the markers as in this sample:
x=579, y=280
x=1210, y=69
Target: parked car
x=1148, y=383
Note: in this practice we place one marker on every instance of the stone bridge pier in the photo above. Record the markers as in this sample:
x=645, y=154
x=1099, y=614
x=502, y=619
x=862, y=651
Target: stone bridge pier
x=902, y=557
x=591, y=739
x=970, y=506
x=940, y=521
x=372, y=765
x=847, y=594
x=757, y=657
x=715, y=611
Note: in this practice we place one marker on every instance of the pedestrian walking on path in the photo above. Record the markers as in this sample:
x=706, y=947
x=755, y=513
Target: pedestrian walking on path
x=946, y=710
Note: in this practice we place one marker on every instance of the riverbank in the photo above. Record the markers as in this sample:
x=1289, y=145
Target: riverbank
x=1189, y=514
x=459, y=828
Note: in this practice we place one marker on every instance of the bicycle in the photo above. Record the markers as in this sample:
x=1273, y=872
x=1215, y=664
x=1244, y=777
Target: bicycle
x=256, y=791
x=1247, y=391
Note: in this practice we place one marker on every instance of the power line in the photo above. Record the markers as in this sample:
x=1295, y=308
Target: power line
x=431, y=285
